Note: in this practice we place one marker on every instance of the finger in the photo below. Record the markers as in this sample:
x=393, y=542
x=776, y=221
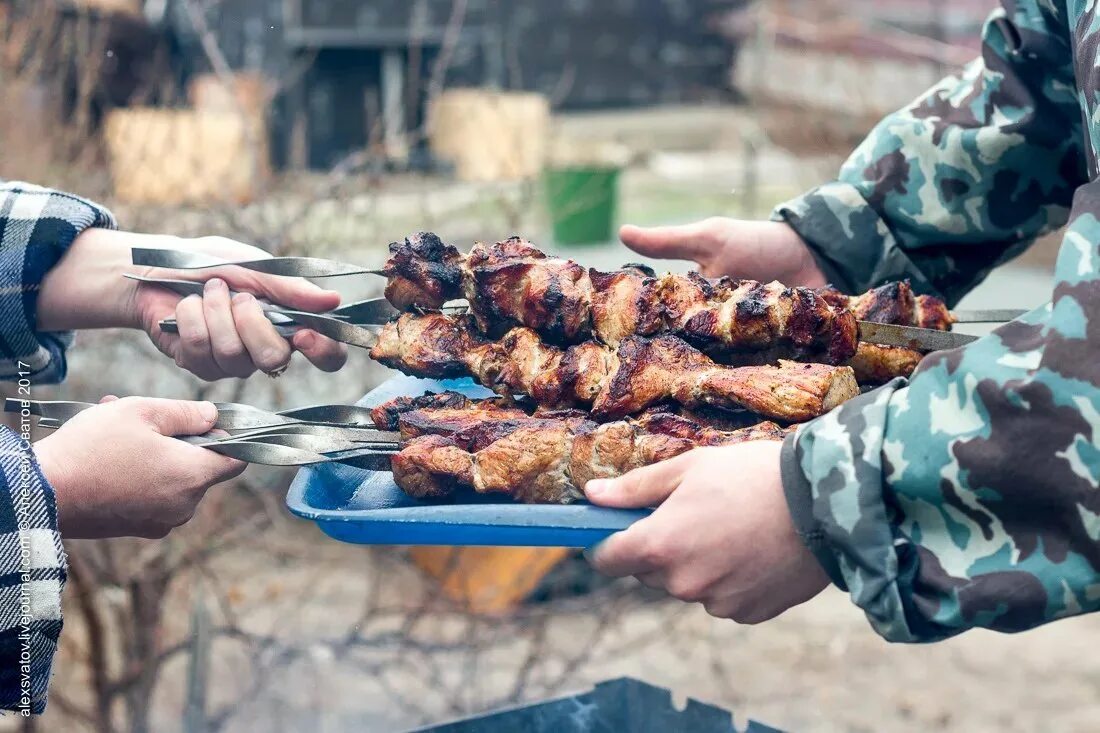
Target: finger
x=174, y=417
x=194, y=352
x=228, y=350
x=684, y=242
x=268, y=350
x=637, y=550
x=108, y=398
x=293, y=292
x=324, y=353
x=655, y=579
x=743, y=607
x=642, y=487
x=213, y=468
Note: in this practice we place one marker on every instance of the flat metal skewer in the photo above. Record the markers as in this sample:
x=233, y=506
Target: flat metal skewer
x=282, y=266
x=233, y=416
x=988, y=315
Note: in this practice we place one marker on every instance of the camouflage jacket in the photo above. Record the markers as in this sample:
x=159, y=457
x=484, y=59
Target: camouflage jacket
x=968, y=497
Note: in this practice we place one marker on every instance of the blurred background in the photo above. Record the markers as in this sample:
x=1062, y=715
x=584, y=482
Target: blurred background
x=332, y=127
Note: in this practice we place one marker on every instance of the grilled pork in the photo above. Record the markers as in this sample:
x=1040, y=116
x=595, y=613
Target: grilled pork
x=640, y=373
x=511, y=284
x=549, y=461
x=893, y=303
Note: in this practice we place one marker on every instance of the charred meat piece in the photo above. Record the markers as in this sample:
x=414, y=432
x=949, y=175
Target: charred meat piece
x=877, y=364
x=511, y=283
x=625, y=303
x=931, y=312
x=893, y=303
x=451, y=420
x=640, y=373
x=549, y=461
x=423, y=271
x=387, y=415
x=739, y=316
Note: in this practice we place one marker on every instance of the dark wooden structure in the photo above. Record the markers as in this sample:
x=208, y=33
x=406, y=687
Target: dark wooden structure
x=364, y=66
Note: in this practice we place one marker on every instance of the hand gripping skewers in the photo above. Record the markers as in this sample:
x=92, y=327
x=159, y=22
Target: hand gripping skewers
x=615, y=382
x=532, y=459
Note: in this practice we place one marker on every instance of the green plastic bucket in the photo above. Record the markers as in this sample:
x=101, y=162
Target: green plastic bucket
x=582, y=202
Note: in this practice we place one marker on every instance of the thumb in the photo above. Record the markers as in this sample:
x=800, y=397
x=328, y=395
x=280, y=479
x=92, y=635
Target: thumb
x=642, y=487
x=178, y=417
x=685, y=242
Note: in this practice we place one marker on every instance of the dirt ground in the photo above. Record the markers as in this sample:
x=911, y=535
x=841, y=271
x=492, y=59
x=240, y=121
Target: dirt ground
x=819, y=667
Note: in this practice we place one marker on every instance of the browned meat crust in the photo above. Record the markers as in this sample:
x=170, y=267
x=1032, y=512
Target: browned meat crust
x=448, y=421
x=423, y=272
x=549, y=461
x=891, y=303
x=642, y=372
x=511, y=284
x=387, y=415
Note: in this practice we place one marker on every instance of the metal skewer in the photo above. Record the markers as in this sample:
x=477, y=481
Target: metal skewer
x=282, y=266
x=988, y=315
x=348, y=333
x=235, y=417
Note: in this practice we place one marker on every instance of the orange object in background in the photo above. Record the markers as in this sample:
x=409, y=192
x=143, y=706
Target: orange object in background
x=488, y=579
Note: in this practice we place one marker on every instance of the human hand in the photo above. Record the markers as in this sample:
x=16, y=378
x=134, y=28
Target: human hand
x=219, y=336
x=759, y=250
x=116, y=472
x=721, y=535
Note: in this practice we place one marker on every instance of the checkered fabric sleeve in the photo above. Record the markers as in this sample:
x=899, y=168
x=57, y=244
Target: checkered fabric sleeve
x=32, y=575
x=37, y=225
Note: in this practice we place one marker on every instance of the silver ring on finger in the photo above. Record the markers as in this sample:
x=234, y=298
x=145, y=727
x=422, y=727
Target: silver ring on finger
x=278, y=371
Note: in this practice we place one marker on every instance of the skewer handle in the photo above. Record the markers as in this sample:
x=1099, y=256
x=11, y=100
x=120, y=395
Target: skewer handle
x=282, y=266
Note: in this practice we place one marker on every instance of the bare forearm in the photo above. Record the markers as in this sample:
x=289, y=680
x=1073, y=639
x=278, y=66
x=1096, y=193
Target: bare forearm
x=86, y=289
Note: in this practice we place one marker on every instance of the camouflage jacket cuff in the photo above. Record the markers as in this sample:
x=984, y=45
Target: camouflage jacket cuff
x=851, y=243
x=840, y=455
x=800, y=503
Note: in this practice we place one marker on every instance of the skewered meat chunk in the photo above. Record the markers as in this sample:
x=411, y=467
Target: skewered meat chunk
x=549, y=461
x=893, y=303
x=896, y=303
x=748, y=316
x=446, y=413
x=511, y=284
x=625, y=303
x=616, y=382
x=423, y=271
x=450, y=420
x=387, y=415
x=878, y=364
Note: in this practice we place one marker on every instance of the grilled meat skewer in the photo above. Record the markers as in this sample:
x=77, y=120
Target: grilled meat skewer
x=445, y=413
x=615, y=382
x=894, y=303
x=511, y=283
x=544, y=461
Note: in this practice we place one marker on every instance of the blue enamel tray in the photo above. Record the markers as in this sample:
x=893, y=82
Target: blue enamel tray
x=367, y=507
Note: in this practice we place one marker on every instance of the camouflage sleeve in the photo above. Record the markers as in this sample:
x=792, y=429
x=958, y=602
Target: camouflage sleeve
x=969, y=497
x=964, y=178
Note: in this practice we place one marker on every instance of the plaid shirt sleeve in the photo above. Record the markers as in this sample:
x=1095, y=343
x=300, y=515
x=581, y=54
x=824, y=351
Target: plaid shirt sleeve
x=37, y=225
x=32, y=575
